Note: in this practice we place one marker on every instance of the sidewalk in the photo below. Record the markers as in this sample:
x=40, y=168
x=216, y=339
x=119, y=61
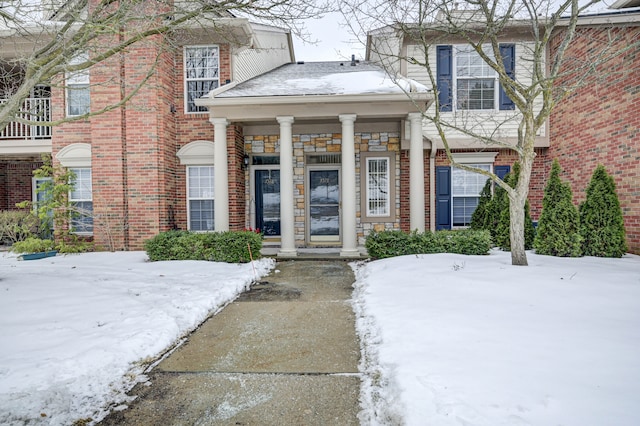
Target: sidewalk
x=284, y=353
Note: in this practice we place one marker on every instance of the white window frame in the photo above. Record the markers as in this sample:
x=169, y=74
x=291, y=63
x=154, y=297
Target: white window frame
x=469, y=193
x=187, y=79
x=207, y=195
x=378, y=189
x=77, y=82
x=88, y=187
x=482, y=72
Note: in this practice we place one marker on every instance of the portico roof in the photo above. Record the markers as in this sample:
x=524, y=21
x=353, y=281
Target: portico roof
x=319, y=90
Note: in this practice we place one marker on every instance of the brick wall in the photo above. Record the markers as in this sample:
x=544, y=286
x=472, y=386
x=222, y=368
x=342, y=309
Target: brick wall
x=599, y=122
x=15, y=181
x=539, y=175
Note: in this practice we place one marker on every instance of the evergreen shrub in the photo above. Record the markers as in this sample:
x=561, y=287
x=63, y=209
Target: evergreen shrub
x=230, y=246
x=558, y=232
x=17, y=225
x=601, y=221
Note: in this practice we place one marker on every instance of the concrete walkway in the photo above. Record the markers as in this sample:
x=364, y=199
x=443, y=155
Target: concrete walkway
x=284, y=353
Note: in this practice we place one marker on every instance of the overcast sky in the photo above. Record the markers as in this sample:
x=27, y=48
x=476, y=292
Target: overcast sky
x=335, y=43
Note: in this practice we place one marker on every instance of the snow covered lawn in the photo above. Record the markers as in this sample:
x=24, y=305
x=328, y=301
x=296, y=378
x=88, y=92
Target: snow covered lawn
x=472, y=340
x=76, y=330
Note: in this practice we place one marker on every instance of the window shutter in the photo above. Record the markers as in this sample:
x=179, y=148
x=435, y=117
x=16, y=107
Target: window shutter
x=444, y=70
x=443, y=197
x=501, y=171
x=508, y=53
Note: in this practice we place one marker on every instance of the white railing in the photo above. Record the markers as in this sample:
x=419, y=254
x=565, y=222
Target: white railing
x=34, y=110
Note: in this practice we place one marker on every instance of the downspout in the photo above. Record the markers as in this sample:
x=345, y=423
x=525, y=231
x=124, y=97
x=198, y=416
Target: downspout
x=432, y=185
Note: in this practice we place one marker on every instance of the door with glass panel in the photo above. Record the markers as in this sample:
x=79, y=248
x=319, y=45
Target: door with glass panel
x=267, y=184
x=324, y=205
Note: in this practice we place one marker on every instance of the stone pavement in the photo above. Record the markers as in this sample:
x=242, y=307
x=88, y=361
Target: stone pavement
x=284, y=353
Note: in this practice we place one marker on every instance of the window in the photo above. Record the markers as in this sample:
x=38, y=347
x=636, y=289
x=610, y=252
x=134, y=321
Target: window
x=200, y=196
x=82, y=200
x=465, y=192
x=465, y=80
x=475, y=80
x=378, y=187
x=78, y=98
x=202, y=65
x=378, y=201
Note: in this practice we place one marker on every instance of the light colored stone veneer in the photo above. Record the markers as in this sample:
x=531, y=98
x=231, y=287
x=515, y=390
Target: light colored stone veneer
x=305, y=145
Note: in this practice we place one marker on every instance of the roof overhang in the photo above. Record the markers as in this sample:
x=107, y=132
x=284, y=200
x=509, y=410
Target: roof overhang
x=317, y=107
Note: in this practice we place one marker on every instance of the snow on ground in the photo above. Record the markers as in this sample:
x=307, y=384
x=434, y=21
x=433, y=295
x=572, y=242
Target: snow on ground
x=472, y=340
x=77, y=331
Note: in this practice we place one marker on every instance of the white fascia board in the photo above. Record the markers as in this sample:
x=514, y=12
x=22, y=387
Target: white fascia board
x=315, y=99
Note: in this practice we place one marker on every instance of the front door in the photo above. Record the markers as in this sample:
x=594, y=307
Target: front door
x=268, y=202
x=324, y=205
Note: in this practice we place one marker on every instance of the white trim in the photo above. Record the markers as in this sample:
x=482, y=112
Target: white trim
x=76, y=155
x=197, y=153
x=186, y=80
x=474, y=157
x=387, y=212
x=189, y=198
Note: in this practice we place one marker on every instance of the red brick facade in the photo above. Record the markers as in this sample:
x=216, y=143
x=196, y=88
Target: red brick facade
x=599, y=123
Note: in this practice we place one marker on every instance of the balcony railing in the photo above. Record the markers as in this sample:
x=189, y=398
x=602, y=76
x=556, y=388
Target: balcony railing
x=34, y=110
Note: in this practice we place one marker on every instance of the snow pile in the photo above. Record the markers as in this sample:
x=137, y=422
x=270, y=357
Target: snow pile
x=78, y=330
x=472, y=340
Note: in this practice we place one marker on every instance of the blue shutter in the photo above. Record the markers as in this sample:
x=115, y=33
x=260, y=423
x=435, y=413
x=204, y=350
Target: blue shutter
x=501, y=171
x=443, y=197
x=444, y=70
x=508, y=53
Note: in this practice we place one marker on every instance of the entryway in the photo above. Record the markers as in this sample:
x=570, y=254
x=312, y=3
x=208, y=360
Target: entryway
x=324, y=205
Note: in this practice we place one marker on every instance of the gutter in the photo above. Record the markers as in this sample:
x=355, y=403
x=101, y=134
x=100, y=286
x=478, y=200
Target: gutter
x=432, y=185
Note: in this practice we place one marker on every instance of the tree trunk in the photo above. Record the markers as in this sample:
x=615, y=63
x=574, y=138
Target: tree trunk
x=516, y=231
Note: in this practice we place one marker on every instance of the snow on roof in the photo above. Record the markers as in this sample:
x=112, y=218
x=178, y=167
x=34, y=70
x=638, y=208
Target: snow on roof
x=323, y=78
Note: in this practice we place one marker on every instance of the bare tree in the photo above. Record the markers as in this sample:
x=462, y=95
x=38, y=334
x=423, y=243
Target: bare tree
x=42, y=41
x=403, y=35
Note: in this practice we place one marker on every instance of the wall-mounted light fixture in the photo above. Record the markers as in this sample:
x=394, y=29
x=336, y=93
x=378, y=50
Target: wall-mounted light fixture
x=246, y=161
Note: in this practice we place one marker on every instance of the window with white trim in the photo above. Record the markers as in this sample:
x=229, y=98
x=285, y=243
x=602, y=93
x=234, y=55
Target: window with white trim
x=377, y=190
x=81, y=198
x=77, y=89
x=202, y=74
x=465, y=192
x=476, y=82
x=200, y=198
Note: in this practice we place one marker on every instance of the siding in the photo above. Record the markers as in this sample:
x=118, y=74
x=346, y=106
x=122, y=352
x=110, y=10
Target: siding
x=272, y=52
x=482, y=122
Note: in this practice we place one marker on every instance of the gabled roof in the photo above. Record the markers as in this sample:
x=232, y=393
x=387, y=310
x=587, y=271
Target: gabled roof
x=318, y=90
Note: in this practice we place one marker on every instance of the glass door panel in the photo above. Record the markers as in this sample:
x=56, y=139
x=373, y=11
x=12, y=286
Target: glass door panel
x=324, y=205
x=268, y=202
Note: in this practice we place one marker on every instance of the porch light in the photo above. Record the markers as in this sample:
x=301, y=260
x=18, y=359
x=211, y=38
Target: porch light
x=246, y=161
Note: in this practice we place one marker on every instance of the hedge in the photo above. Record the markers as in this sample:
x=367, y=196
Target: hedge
x=230, y=246
x=385, y=244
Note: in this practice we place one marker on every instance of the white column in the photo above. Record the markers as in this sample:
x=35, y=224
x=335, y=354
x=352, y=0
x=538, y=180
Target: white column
x=220, y=175
x=348, y=187
x=287, y=216
x=416, y=174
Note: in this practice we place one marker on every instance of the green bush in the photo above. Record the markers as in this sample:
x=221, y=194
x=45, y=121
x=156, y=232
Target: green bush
x=480, y=216
x=601, y=222
x=32, y=245
x=384, y=244
x=559, y=225
x=17, y=225
x=231, y=246
x=464, y=241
